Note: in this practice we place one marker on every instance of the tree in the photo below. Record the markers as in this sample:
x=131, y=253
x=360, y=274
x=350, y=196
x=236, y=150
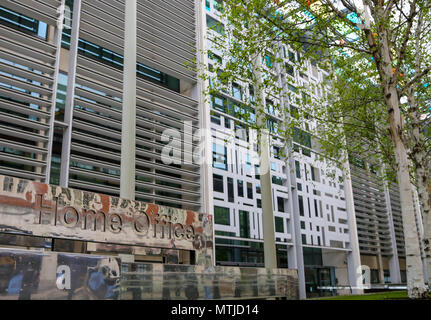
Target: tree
x=377, y=52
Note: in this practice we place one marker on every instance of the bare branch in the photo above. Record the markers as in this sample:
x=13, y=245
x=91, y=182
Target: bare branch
x=414, y=80
x=402, y=50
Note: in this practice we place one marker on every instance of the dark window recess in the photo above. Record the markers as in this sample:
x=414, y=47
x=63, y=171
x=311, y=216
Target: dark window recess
x=312, y=256
x=239, y=252
x=291, y=56
x=301, y=205
x=258, y=189
x=240, y=188
x=221, y=216
x=290, y=70
x=282, y=256
x=277, y=153
x=279, y=226
x=218, y=183
x=227, y=122
x=298, y=170
x=303, y=138
x=249, y=190
x=23, y=23
x=218, y=5
x=56, y=157
x=230, y=193
x=215, y=25
x=244, y=224
x=116, y=60
x=215, y=118
x=280, y=202
x=256, y=171
x=277, y=180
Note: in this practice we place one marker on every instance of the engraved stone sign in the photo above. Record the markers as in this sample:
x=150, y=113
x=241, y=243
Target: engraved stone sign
x=38, y=209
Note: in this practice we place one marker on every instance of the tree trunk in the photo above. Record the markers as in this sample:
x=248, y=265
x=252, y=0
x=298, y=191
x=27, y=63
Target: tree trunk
x=418, y=153
x=415, y=276
x=382, y=54
x=424, y=189
x=423, y=186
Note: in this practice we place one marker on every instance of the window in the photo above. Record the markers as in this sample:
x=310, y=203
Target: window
x=312, y=256
x=269, y=60
x=218, y=183
x=290, y=70
x=259, y=203
x=292, y=88
x=249, y=190
x=279, y=226
x=387, y=276
x=270, y=107
x=215, y=57
x=357, y=162
x=302, y=137
x=116, y=60
x=277, y=153
x=303, y=225
x=215, y=118
x=298, y=169
x=227, y=122
x=221, y=216
x=236, y=91
x=277, y=180
x=230, y=194
x=23, y=23
x=280, y=203
x=240, y=131
x=292, y=56
x=248, y=163
x=315, y=174
x=272, y=126
x=257, y=171
x=218, y=5
x=301, y=205
x=218, y=103
x=251, y=94
x=258, y=189
x=244, y=224
x=61, y=97
x=215, y=25
x=219, y=157
x=240, y=188
x=55, y=169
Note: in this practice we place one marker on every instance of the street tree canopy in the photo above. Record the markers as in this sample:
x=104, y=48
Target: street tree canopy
x=371, y=96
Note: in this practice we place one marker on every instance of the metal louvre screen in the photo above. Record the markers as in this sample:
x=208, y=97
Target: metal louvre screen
x=27, y=86
x=164, y=48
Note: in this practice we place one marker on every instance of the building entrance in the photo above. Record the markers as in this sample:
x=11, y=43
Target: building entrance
x=317, y=277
